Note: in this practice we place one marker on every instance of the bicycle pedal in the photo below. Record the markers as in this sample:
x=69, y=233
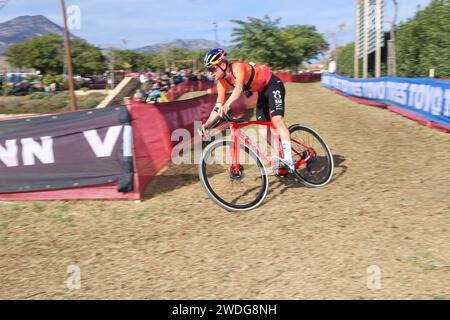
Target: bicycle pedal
x=281, y=173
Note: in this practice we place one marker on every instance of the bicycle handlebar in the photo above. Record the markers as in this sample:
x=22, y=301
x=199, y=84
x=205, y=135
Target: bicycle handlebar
x=227, y=118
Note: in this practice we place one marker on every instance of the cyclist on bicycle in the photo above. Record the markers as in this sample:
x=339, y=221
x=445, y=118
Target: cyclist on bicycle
x=249, y=78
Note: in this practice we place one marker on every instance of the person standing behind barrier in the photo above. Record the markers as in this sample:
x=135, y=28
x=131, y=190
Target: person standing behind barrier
x=156, y=95
x=248, y=79
x=138, y=96
x=144, y=82
x=110, y=84
x=165, y=83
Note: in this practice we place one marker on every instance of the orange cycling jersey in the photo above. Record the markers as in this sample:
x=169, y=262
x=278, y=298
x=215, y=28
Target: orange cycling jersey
x=241, y=73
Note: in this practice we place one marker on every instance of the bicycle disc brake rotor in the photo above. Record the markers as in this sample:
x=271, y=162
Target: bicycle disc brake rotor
x=237, y=176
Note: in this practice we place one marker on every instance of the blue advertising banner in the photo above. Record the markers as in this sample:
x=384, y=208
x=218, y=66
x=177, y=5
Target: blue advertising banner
x=428, y=98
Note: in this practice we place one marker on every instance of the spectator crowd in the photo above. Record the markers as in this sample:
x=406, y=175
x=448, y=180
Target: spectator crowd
x=154, y=87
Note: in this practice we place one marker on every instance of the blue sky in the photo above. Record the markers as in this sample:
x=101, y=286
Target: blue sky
x=107, y=22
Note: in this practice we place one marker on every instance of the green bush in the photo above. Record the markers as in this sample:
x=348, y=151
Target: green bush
x=79, y=84
x=47, y=80
x=30, y=77
x=62, y=83
x=7, y=88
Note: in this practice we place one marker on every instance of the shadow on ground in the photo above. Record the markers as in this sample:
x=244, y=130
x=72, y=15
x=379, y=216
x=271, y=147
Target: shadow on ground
x=179, y=176
x=283, y=184
x=172, y=178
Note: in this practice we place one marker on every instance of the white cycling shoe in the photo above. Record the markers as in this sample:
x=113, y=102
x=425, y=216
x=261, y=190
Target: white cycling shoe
x=284, y=163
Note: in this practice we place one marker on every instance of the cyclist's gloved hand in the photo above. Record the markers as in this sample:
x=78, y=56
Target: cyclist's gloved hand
x=202, y=131
x=223, y=110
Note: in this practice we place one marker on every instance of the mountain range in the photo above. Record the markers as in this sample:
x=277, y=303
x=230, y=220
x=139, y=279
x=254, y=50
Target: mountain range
x=26, y=27
x=190, y=44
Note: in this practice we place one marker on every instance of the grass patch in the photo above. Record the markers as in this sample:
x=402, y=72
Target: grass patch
x=191, y=95
x=61, y=218
x=41, y=103
x=446, y=297
x=429, y=266
x=38, y=207
x=428, y=255
x=408, y=258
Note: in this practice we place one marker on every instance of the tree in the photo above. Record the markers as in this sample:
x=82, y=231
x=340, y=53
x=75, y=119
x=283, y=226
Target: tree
x=154, y=61
x=304, y=42
x=128, y=60
x=262, y=40
x=423, y=42
x=344, y=59
x=87, y=59
x=45, y=53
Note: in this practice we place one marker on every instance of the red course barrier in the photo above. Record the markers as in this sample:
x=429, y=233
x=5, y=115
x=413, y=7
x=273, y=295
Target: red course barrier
x=153, y=126
x=300, y=78
x=189, y=86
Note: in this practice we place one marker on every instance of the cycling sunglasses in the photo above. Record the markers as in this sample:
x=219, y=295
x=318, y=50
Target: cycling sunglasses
x=212, y=69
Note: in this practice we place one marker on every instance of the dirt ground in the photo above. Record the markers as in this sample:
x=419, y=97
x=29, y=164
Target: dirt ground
x=387, y=206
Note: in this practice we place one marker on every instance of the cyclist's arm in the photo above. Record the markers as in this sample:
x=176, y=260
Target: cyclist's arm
x=213, y=117
x=237, y=91
x=221, y=92
x=239, y=87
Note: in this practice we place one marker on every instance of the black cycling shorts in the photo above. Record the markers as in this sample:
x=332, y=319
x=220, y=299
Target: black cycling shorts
x=271, y=100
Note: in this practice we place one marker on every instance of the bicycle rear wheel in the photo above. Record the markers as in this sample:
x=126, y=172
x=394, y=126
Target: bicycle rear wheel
x=233, y=190
x=311, y=152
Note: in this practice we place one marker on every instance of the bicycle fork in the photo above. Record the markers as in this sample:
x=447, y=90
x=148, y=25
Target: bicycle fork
x=235, y=167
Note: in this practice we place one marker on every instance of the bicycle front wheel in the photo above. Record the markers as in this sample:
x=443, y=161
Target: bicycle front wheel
x=312, y=156
x=234, y=189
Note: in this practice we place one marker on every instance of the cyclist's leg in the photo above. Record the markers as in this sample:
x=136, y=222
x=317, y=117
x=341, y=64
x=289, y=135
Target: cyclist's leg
x=276, y=100
x=262, y=114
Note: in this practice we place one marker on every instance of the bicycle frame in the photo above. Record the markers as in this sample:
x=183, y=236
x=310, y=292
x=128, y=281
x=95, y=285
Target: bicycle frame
x=237, y=134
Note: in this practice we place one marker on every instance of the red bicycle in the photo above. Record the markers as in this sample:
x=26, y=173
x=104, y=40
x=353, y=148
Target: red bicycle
x=233, y=173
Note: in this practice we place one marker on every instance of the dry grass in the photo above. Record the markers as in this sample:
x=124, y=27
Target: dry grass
x=47, y=103
x=192, y=95
x=388, y=205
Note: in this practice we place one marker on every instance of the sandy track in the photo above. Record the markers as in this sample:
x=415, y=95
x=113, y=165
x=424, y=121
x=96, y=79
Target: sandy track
x=388, y=205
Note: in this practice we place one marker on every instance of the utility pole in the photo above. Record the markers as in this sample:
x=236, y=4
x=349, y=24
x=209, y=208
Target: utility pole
x=392, y=57
x=111, y=65
x=68, y=58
